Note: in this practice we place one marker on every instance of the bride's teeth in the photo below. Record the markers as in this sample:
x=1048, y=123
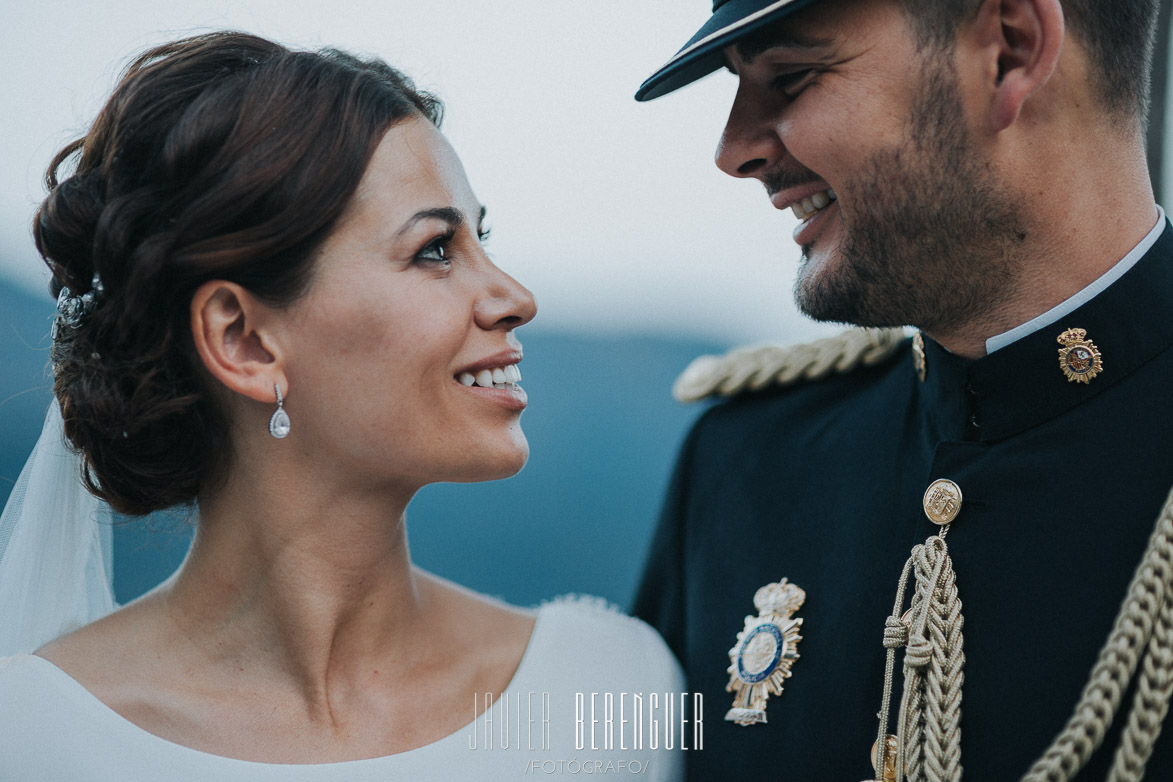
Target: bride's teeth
x=497, y=377
x=820, y=200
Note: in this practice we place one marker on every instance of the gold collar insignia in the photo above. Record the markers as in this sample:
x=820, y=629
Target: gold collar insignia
x=1079, y=358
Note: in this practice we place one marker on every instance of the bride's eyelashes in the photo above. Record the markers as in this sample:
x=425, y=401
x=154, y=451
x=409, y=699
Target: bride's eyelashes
x=437, y=252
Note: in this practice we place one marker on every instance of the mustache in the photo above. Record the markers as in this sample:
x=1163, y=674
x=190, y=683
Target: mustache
x=780, y=178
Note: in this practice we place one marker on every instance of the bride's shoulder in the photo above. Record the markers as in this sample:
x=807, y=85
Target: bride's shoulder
x=597, y=616
x=20, y=675
x=596, y=613
x=29, y=698
x=98, y=656
x=53, y=727
x=574, y=640
x=597, y=633
x=35, y=699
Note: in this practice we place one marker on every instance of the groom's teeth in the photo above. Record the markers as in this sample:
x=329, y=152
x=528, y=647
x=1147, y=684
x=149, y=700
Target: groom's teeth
x=805, y=208
x=466, y=379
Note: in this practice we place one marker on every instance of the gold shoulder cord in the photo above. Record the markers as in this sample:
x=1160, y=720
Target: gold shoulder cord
x=1142, y=636
x=754, y=368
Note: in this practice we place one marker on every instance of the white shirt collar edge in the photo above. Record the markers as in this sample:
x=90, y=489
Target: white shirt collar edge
x=1101, y=283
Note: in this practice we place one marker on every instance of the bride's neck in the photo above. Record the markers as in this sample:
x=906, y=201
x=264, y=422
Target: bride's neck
x=302, y=580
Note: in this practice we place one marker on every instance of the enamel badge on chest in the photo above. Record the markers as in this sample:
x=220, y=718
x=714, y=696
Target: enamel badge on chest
x=765, y=652
x=1079, y=358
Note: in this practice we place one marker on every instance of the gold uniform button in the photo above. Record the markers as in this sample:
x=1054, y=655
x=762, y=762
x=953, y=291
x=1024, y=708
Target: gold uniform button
x=942, y=501
x=891, y=745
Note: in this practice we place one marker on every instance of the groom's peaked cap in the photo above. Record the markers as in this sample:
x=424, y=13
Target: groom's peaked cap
x=702, y=55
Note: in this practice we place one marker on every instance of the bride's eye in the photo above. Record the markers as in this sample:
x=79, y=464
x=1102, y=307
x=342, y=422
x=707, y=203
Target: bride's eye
x=436, y=251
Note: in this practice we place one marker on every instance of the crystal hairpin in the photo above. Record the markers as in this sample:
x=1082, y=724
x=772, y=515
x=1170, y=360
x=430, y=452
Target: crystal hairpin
x=73, y=308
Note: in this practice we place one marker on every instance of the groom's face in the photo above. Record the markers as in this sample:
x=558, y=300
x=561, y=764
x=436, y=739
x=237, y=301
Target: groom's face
x=863, y=134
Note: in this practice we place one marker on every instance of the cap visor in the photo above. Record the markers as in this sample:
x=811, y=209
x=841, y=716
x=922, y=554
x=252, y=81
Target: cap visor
x=704, y=53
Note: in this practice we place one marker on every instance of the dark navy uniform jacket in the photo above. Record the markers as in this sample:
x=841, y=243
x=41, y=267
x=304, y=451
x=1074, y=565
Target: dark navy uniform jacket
x=822, y=483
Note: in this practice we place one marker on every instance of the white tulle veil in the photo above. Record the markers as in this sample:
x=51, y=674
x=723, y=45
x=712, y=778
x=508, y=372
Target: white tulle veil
x=56, y=548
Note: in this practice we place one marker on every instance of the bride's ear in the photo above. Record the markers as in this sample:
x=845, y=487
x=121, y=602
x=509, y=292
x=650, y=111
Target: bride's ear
x=232, y=333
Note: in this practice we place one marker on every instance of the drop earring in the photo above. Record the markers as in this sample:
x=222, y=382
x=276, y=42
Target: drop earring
x=279, y=423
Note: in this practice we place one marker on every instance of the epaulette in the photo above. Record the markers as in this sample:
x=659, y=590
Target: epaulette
x=754, y=368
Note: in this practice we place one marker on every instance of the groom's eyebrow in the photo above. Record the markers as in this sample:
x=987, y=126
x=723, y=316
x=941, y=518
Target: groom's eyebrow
x=756, y=44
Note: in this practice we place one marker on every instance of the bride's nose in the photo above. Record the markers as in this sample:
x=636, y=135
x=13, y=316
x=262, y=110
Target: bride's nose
x=505, y=303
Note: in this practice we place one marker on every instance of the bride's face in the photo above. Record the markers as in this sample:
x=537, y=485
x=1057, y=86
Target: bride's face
x=404, y=305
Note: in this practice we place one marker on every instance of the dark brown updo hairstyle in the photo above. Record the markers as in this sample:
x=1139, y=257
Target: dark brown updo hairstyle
x=220, y=156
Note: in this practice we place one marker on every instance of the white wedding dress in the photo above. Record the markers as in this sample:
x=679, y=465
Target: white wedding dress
x=55, y=576
x=56, y=731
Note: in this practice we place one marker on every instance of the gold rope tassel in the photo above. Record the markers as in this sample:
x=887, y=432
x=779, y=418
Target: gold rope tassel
x=1143, y=626
x=928, y=738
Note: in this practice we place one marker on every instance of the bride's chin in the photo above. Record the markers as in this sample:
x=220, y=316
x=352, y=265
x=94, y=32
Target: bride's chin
x=496, y=465
x=512, y=464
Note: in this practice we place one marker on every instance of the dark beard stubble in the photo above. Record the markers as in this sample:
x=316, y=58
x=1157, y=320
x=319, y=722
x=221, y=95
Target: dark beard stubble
x=930, y=235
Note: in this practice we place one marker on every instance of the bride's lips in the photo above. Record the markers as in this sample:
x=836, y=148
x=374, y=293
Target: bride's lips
x=495, y=379
x=512, y=397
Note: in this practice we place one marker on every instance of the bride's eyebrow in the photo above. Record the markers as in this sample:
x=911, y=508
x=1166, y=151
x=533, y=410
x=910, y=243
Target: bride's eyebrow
x=449, y=214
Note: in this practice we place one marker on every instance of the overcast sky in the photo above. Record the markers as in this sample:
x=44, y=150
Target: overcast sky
x=610, y=211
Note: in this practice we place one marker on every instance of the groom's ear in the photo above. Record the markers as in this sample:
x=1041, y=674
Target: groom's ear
x=1015, y=46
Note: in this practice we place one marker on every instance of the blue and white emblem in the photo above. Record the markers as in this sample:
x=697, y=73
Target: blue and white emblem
x=765, y=651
